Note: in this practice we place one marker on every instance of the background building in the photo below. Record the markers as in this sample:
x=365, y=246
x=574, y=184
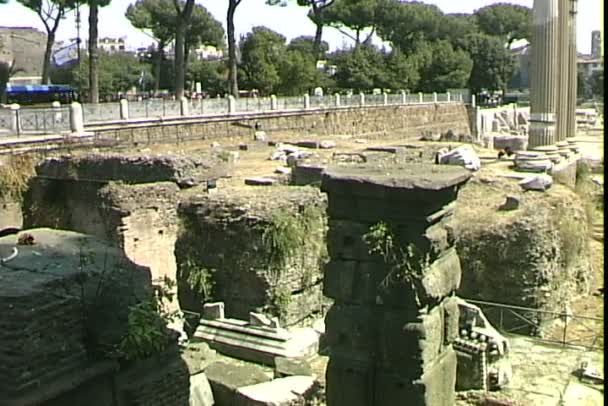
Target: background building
x=25, y=46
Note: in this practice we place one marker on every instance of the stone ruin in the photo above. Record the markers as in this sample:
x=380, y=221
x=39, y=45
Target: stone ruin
x=129, y=200
x=65, y=300
x=253, y=252
x=309, y=171
x=391, y=340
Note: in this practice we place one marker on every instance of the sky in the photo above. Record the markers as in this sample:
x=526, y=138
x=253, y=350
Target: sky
x=291, y=21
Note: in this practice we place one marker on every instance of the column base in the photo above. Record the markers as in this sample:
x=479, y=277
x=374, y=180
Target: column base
x=541, y=134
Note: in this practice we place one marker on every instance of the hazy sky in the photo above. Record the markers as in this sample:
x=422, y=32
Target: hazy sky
x=291, y=21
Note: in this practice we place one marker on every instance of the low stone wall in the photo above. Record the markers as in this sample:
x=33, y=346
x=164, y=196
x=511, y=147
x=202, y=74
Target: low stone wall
x=376, y=121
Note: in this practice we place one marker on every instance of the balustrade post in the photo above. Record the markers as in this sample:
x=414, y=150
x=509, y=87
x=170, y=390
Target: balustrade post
x=15, y=124
x=337, y=99
x=76, y=118
x=361, y=99
x=434, y=97
x=273, y=102
x=385, y=98
x=306, y=101
x=473, y=101
x=56, y=113
x=403, y=97
x=184, y=107
x=420, y=97
x=231, y=104
x=124, y=109
x=448, y=97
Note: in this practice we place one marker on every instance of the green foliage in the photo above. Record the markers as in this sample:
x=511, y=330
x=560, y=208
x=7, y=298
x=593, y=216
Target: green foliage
x=305, y=45
x=442, y=67
x=408, y=26
x=263, y=51
x=287, y=234
x=408, y=265
x=493, y=64
x=299, y=74
x=211, y=74
x=356, y=15
x=508, y=21
x=146, y=333
x=201, y=280
x=118, y=72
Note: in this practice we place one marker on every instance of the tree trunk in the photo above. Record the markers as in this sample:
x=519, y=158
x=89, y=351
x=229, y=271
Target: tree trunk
x=180, y=38
x=46, y=64
x=157, y=65
x=186, y=56
x=180, y=35
x=5, y=69
x=93, y=54
x=318, y=38
x=232, y=62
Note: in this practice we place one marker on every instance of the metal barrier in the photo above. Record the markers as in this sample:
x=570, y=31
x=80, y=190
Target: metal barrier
x=570, y=329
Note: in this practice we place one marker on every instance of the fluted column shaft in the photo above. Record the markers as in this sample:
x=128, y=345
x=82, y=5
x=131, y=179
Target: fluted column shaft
x=572, y=71
x=563, y=88
x=544, y=75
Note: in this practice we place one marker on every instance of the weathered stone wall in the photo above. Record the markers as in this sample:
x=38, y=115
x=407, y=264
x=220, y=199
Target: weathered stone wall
x=406, y=121
x=10, y=214
x=260, y=249
x=534, y=256
x=138, y=213
x=392, y=269
x=158, y=381
x=63, y=297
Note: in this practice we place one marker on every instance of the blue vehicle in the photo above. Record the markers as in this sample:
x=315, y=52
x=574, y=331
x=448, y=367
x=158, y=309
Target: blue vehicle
x=28, y=95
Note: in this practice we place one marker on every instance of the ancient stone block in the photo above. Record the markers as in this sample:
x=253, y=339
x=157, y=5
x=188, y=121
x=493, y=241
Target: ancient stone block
x=354, y=282
x=451, y=316
x=350, y=332
x=284, y=366
x=225, y=379
x=345, y=239
x=133, y=169
x=418, y=183
x=286, y=391
x=200, y=391
x=435, y=387
x=407, y=347
x=254, y=253
x=305, y=173
x=442, y=278
x=348, y=383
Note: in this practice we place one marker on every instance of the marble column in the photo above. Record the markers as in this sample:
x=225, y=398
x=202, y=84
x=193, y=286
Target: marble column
x=544, y=73
x=572, y=72
x=563, y=88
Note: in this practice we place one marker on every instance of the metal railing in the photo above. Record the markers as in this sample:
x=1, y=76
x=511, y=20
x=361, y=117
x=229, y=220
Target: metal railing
x=562, y=328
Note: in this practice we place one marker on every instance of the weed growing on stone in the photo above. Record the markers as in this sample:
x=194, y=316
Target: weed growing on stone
x=15, y=173
x=200, y=279
x=289, y=236
x=407, y=264
x=279, y=302
x=146, y=331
